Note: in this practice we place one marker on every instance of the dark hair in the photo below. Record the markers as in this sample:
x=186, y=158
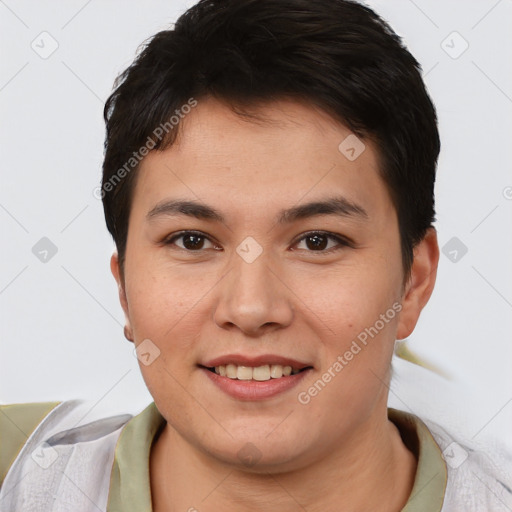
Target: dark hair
x=337, y=55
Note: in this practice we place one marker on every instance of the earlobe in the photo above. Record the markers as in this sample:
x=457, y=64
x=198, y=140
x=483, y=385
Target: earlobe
x=128, y=334
x=116, y=272
x=421, y=283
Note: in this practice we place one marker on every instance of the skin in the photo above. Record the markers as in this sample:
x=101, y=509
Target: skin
x=339, y=451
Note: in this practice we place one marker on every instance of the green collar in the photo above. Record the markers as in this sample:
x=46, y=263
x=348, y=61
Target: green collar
x=130, y=489
x=427, y=493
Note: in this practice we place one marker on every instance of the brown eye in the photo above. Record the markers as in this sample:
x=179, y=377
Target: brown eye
x=322, y=242
x=190, y=241
x=316, y=242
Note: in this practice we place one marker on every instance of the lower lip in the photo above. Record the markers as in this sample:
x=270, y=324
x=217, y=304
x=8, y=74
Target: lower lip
x=253, y=389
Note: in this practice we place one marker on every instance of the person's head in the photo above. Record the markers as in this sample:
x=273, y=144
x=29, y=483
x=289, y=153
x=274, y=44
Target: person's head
x=334, y=54
x=249, y=108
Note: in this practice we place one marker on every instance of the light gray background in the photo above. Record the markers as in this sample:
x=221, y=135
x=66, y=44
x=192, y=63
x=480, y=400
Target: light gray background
x=61, y=323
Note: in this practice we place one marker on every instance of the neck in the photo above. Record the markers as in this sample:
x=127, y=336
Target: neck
x=370, y=470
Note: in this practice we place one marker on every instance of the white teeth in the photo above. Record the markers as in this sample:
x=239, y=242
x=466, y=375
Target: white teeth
x=276, y=371
x=259, y=373
x=244, y=373
x=231, y=371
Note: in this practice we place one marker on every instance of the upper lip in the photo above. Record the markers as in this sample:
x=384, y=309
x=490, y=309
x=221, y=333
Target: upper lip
x=242, y=360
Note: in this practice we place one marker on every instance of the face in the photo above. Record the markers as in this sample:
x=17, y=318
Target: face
x=264, y=245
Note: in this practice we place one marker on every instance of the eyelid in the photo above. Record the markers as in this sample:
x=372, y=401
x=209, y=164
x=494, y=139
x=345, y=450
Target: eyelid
x=168, y=240
x=342, y=241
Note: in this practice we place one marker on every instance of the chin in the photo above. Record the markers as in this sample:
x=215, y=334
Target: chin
x=257, y=453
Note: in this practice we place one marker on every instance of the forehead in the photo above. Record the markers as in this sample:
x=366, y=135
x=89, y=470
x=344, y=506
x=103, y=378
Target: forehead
x=306, y=129
x=280, y=152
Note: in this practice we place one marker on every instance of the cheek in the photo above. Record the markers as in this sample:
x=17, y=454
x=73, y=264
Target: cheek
x=355, y=364
x=361, y=312
x=161, y=301
x=166, y=325
x=349, y=301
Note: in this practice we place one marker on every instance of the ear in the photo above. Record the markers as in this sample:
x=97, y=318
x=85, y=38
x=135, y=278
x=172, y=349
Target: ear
x=116, y=272
x=420, y=284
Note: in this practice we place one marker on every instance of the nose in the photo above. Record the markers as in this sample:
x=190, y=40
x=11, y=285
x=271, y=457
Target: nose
x=253, y=297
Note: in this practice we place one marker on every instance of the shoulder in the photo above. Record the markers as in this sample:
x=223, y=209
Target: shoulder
x=17, y=422
x=479, y=475
x=53, y=437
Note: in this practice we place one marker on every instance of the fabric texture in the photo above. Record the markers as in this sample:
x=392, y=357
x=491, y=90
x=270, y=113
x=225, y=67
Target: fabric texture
x=17, y=422
x=62, y=466
x=104, y=465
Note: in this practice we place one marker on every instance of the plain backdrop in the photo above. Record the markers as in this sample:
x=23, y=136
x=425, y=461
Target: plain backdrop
x=61, y=323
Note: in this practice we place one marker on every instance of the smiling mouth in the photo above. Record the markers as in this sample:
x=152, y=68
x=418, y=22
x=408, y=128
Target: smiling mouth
x=258, y=373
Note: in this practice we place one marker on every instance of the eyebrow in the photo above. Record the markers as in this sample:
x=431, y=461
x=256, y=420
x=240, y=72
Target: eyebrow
x=339, y=206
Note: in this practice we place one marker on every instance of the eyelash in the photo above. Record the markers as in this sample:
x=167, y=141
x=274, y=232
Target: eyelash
x=342, y=241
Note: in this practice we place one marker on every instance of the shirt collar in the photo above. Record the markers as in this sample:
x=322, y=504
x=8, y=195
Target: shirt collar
x=429, y=486
x=130, y=489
